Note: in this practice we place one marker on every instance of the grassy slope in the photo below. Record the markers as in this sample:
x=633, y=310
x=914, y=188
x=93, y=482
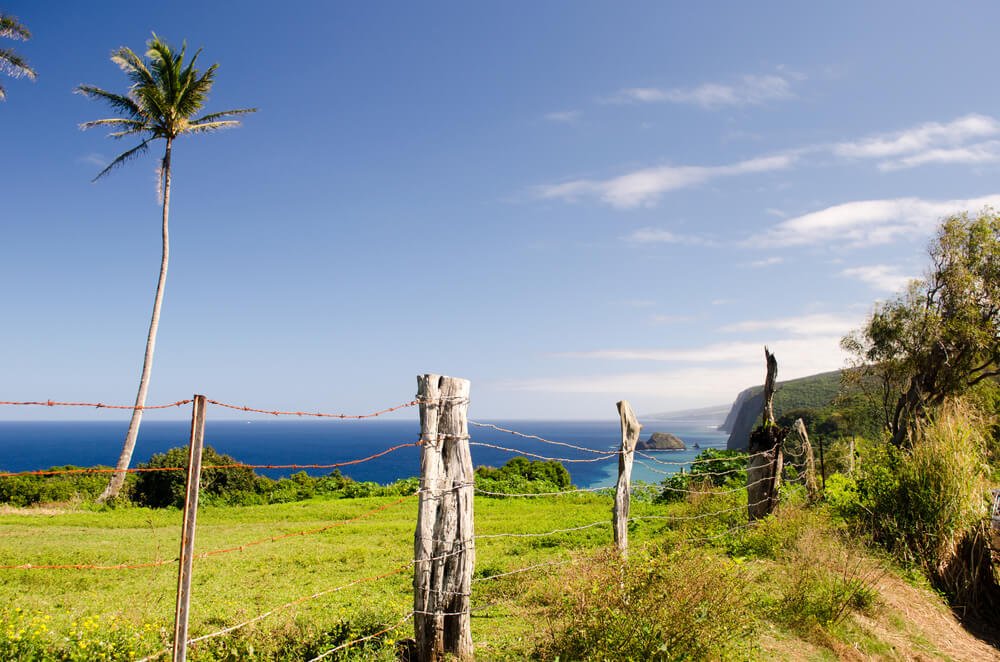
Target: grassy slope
x=510, y=612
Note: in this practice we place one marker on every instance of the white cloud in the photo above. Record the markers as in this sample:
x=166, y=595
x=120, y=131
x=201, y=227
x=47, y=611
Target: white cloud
x=564, y=116
x=879, y=276
x=660, y=236
x=644, y=187
x=868, y=222
x=931, y=142
x=670, y=319
x=985, y=152
x=749, y=90
x=731, y=352
x=804, y=325
x=767, y=262
x=703, y=384
x=93, y=159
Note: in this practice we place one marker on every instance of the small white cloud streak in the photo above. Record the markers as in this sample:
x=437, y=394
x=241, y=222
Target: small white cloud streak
x=660, y=236
x=701, y=384
x=920, y=138
x=93, y=159
x=879, y=276
x=563, y=116
x=732, y=352
x=803, y=325
x=868, y=222
x=748, y=91
x=670, y=319
x=767, y=262
x=986, y=152
x=644, y=187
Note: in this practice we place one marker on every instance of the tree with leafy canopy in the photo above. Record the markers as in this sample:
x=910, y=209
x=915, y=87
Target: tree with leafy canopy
x=11, y=63
x=941, y=337
x=163, y=97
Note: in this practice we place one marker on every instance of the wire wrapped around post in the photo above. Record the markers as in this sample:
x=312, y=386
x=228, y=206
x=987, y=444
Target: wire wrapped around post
x=444, y=552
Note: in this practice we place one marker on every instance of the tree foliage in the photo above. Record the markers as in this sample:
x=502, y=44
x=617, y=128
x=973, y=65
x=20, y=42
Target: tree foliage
x=941, y=337
x=11, y=63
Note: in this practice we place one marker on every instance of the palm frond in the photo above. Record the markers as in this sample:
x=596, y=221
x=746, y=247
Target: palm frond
x=211, y=126
x=11, y=28
x=14, y=65
x=116, y=101
x=116, y=122
x=122, y=158
x=211, y=117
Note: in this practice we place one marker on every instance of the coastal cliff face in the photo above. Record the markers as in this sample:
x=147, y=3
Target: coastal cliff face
x=813, y=392
x=746, y=414
x=734, y=411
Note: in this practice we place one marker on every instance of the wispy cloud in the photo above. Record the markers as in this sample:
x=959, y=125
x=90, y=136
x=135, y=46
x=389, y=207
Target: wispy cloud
x=985, y=152
x=868, y=222
x=748, y=90
x=564, y=116
x=921, y=137
x=931, y=142
x=660, y=236
x=644, y=187
x=670, y=319
x=802, y=325
x=94, y=159
x=724, y=371
x=766, y=262
x=879, y=276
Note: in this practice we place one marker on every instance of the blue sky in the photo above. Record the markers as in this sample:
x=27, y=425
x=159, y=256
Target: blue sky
x=568, y=203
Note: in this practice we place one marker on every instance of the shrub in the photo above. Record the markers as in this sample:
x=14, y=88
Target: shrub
x=27, y=490
x=160, y=489
x=523, y=476
x=928, y=505
x=685, y=605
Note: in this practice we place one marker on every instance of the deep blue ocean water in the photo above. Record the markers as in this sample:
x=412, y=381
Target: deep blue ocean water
x=39, y=445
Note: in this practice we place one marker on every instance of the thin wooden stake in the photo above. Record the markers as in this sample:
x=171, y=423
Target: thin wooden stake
x=812, y=490
x=444, y=551
x=188, y=528
x=623, y=491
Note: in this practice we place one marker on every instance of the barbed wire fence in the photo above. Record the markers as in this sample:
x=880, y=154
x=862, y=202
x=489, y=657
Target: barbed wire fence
x=444, y=540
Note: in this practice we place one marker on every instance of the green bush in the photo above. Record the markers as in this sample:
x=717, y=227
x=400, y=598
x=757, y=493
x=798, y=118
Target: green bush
x=27, y=490
x=160, y=489
x=686, y=605
x=928, y=504
x=523, y=476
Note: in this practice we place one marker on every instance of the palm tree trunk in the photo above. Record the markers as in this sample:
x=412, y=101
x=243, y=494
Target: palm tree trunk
x=125, y=459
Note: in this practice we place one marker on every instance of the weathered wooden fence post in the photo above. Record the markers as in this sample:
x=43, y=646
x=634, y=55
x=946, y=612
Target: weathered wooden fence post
x=444, y=549
x=766, y=459
x=188, y=528
x=623, y=491
x=812, y=489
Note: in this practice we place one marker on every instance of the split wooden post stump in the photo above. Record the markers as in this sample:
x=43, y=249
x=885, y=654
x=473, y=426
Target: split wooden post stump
x=812, y=489
x=623, y=490
x=444, y=548
x=766, y=460
x=188, y=528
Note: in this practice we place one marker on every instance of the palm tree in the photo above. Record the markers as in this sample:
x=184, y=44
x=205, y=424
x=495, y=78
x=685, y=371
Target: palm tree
x=11, y=63
x=164, y=95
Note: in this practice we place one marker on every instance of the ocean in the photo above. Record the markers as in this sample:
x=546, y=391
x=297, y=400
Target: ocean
x=30, y=445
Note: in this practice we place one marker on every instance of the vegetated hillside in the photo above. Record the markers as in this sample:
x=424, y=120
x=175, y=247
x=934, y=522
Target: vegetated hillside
x=816, y=392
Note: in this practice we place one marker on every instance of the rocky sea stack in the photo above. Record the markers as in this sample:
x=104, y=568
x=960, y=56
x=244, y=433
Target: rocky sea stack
x=662, y=441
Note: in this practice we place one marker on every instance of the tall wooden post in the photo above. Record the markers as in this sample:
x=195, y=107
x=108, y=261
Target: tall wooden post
x=623, y=491
x=766, y=459
x=812, y=490
x=444, y=550
x=188, y=528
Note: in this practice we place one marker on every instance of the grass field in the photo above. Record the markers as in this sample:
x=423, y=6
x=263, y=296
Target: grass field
x=793, y=587
x=234, y=586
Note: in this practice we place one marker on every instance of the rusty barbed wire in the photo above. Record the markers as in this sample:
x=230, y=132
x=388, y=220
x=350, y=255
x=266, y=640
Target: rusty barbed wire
x=278, y=412
x=96, y=405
